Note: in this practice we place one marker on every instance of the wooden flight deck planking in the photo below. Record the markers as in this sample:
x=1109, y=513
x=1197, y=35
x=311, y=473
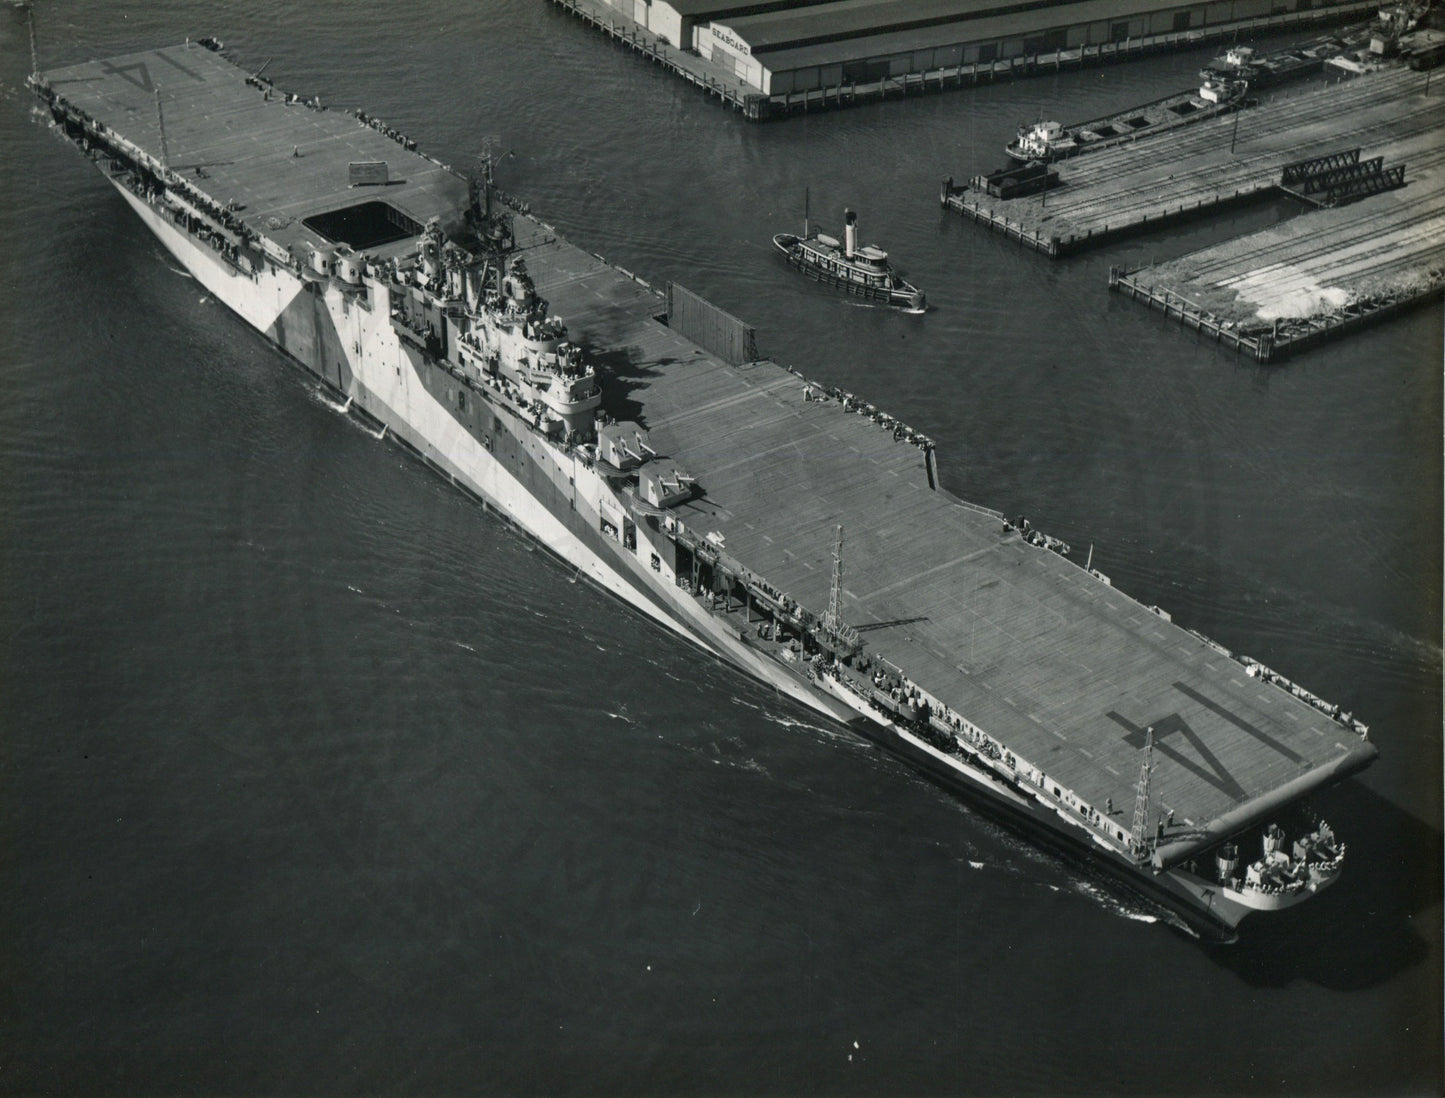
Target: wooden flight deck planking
x=281, y=162
x=1027, y=645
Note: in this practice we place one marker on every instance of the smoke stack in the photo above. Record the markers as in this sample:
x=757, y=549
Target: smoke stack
x=850, y=233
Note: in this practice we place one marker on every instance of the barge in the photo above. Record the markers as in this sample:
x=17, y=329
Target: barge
x=1048, y=141
x=1268, y=69
x=711, y=499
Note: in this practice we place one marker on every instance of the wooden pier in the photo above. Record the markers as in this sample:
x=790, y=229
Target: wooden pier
x=1372, y=249
x=1287, y=288
x=1367, y=151
x=1192, y=315
x=1189, y=172
x=715, y=80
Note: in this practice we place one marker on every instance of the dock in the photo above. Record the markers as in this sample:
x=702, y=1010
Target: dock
x=920, y=64
x=1194, y=170
x=1369, y=146
x=1284, y=289
x=714, y=80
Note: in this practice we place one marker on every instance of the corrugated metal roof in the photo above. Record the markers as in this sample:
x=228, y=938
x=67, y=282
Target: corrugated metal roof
x=862, y=47
x=722, y=9
x=851, y=18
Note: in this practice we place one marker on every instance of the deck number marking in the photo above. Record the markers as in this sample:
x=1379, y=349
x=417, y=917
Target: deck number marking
x=1216, y=775
x=1238, y=722
x=1212, y=771
x=135, y=73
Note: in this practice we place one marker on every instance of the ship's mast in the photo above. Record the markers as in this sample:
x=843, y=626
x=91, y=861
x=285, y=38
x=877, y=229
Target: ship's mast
x=845, y=639
x=834, y=620
x=806, y=231
x=494, y=225
x=1141, y=801
x=34, y=53
x=161, y=119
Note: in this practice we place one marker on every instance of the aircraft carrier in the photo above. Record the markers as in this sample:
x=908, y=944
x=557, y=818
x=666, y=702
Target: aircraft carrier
x=788, y=527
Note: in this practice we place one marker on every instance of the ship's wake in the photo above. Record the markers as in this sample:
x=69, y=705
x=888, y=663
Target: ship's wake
x=784, y=720
x=1058, y=873
x=730, y=752
x=166, y=260
x=1140, y=912
x=340, y=407
x=1122, y=902
x=343, y=408
x=1021, y=858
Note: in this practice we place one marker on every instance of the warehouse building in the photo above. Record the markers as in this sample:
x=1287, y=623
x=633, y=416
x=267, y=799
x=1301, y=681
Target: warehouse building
x=676, y=21
x=859, y=41
x=779, y=47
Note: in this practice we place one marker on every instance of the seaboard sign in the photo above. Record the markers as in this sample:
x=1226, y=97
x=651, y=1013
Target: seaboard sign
x=367, y=173
x=725, y=37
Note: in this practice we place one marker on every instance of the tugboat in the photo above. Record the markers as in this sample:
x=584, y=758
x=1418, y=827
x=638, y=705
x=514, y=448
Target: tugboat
x=1049, y=141
x=861, y=270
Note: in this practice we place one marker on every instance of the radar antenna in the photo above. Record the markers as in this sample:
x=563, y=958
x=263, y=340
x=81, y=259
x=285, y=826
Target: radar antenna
x=493, y=225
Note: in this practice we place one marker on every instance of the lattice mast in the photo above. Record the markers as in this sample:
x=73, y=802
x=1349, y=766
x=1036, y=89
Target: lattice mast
x=1141, y=800
x=34, y=52
x=161, y=121
x=834, y=620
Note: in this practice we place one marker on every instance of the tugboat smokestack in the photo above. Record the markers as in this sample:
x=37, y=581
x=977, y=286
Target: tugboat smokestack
x=850, y=233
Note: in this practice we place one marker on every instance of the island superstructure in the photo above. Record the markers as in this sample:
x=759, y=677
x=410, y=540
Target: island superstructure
x=789, y=528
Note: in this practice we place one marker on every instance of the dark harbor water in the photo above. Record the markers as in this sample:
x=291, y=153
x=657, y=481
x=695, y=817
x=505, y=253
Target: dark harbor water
x=316, y=778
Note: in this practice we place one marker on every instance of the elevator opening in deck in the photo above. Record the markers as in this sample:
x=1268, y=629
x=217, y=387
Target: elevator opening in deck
x=365, y=225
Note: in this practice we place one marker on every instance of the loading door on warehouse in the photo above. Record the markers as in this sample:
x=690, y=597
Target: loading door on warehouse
x=728, y=60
